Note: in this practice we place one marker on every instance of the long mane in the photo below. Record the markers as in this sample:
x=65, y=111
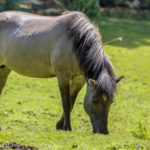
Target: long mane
x=93, y=61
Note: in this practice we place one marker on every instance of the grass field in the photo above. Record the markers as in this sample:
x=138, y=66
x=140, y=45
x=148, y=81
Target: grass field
x=30, y=108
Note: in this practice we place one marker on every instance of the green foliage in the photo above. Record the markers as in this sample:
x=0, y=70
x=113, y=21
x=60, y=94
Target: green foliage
x=11, y=5
x=89, y=7
x=127, y=3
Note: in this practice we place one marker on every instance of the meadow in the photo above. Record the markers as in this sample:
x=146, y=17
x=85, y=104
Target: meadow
x=30, y=108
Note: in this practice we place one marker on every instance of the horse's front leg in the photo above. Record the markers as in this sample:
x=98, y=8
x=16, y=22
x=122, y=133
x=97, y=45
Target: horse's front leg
x=76, y=85
x=64, y=86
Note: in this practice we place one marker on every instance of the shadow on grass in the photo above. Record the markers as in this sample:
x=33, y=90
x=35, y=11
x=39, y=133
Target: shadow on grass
x=134, y=32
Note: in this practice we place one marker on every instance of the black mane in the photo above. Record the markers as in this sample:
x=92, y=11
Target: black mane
x=93, y=61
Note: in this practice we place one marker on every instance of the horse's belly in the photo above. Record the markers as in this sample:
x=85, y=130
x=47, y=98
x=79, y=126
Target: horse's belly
x=30, y=70
x=29, y=65
x=28, y=57
x=32, y=73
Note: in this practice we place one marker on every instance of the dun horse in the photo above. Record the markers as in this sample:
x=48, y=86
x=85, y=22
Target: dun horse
x=68, y=47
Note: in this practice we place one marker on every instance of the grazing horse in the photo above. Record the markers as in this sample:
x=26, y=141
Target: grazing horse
x=68, y=47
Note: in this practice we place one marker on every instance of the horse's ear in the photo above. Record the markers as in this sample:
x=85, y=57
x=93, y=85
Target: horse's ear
x=117, y=79
x=93, y=83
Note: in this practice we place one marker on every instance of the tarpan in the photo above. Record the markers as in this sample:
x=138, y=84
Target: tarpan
x=68, y=47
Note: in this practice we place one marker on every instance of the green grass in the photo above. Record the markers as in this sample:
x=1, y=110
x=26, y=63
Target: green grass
x=30, y=108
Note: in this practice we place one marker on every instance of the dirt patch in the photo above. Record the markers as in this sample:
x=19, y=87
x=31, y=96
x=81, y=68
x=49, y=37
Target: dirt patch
x=14, y=145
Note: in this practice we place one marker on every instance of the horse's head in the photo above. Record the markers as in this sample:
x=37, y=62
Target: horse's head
x=97, y=105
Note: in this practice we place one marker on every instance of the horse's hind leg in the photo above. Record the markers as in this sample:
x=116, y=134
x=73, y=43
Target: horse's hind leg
x=4, y=72
x=76, y=85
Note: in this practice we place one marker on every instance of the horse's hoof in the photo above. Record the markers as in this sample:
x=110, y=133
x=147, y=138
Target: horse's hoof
x=66, y=128
x=60, y=125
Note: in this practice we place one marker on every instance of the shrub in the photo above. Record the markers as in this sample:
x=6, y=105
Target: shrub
x=89, y=7
x=11, y=5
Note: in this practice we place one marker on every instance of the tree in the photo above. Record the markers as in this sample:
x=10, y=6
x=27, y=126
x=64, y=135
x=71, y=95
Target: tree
x=11, y=5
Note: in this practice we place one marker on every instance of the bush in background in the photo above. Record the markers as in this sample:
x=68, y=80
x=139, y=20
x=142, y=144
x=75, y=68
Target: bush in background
x=142, y=4
x=89, y=7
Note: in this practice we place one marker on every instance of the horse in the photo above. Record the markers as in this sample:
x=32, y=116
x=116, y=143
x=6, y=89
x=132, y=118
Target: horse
x=67, y=47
